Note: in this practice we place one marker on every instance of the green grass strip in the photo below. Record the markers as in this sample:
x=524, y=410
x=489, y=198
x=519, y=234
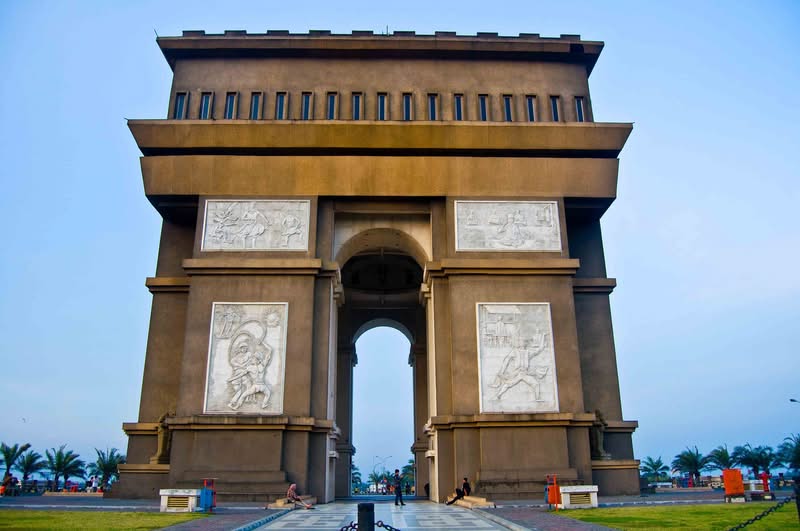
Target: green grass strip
x=700, y=517
x=16, y=519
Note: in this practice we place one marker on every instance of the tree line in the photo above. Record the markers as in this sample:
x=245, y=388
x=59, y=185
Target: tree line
x=61, y=463
x=756, y=458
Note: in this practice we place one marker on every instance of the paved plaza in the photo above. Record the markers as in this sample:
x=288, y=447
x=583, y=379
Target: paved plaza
x=414, y=515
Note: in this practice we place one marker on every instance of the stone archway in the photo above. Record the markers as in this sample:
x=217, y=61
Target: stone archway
x=381, y=275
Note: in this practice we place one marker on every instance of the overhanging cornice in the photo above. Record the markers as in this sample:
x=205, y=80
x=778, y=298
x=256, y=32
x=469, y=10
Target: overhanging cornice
x=282, y=137
x=443, y=45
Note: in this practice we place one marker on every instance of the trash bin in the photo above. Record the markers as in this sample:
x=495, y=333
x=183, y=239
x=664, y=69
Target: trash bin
x=208, y=495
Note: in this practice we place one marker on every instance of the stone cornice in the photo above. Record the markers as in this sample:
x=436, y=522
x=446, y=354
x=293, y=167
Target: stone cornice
x=252, y=266
x=251, y=422
x=504, y=266
x=168, y=284
x=530, y=47
x=497, y=420
x=594, y=285
x=615, y=464
x=220, y=137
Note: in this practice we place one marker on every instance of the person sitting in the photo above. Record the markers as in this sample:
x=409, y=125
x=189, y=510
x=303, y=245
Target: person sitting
x=293, y=497
x=465, y=490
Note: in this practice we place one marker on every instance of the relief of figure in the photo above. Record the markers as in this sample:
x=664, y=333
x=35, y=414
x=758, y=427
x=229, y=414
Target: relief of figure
x=225, y=223
x=509, y=233
x=249, y=365
x=472, y=218
x=291, y=227
x=227, y=322
x=517, y=368
x=254, y=223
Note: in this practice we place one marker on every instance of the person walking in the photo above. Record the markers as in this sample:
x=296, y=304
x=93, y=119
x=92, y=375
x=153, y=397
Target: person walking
x=397, y=481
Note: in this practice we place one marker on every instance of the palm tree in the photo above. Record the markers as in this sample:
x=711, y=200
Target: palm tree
x=355, y=477
x=654, y=466
x=789, y=452
x=29, y=464
x=690, y=461
x=756, y=459
x=720, y=458
x=65, y=463
x=106, y=465
x=409, y=471
x=11, y=454
x=375, y=478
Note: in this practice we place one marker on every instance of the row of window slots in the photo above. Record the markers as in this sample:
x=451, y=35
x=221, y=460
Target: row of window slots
x=483, y=107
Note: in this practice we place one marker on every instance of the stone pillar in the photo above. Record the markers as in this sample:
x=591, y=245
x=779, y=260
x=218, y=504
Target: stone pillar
x=346, y=360
x=418, y=360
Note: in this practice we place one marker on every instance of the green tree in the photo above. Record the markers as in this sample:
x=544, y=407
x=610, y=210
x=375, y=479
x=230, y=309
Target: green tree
x=789, y=452
x=374, y=479
x=720, y=458
x=64, y=463
x=409, y=472
x=760, y=458
x=11, y=454
x=355, y=477
x=107, y=465
x=29, y=464
x=690, y=461
x=654, y=467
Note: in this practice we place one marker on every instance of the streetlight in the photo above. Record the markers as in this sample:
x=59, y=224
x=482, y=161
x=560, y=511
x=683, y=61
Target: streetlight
x=796, y=401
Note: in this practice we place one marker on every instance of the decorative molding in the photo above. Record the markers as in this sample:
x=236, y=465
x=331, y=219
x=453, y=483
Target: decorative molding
x=507, y=226
x=168, y=284
x=246, y=358
x=252, y=266
x=488, y=420
x=621, y=426
x=140, y=428
x=593, y=285
x=616, y=464
x=516, y=358
x=256, y=225
x=506, y=266
x=143, y=469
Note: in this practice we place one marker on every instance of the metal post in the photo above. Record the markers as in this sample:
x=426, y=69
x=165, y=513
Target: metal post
x=797, y=494
x=366, y=517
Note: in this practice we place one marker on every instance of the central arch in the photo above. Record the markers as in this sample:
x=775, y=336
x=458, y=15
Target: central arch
x=381, y=274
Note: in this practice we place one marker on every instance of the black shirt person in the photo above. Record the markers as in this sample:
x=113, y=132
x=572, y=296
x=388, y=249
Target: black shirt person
x=397, y=481
x=465, y=490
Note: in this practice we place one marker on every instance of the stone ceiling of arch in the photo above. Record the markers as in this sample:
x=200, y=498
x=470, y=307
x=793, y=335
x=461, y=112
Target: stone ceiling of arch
x=396, y=233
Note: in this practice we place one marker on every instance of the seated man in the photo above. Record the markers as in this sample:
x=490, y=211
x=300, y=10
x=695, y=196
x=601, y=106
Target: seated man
x=293, y=497
x=460, y=493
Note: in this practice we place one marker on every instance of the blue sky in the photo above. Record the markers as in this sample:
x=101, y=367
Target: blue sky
x=703, y=237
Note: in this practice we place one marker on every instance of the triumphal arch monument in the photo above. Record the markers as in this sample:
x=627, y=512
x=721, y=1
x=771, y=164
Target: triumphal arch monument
x=314, y=186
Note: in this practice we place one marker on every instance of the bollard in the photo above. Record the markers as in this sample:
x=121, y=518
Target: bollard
x=366, y=517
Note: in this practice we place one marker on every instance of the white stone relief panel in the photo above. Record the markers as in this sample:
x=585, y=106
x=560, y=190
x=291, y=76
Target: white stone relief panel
x=246, y=358
x=516, y=359
x=256, y=225
x=507, y=226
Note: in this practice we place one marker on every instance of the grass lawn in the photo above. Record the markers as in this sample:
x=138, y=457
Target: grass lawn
x=705, y=517
x=13, y=519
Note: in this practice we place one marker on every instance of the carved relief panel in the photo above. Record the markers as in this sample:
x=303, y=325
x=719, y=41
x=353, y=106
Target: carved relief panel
x=507, y=226
x=246, y=358
x=516, y=360
x=256, y=225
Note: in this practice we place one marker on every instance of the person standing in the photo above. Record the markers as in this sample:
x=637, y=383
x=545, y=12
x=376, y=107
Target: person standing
x=397, y=481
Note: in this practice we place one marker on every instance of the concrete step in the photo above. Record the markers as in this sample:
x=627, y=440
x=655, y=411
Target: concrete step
x=471, y=502
x=283, y=503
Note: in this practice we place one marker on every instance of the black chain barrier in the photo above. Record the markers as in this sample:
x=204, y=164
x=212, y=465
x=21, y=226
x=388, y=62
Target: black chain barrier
x=353, y=525
x=758, y=517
